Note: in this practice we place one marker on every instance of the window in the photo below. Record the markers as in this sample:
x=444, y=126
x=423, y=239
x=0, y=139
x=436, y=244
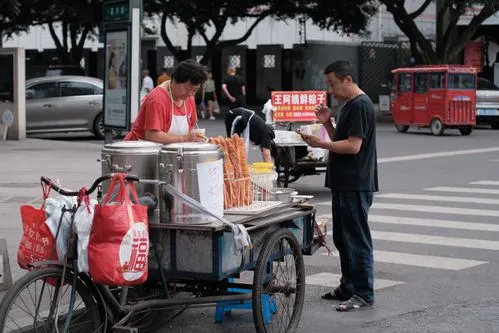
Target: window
x=437, y=80
x=461, y=81
x=168, y=61
x=405, y=82
x=235, y=61
x=42, y=90
x=421, y=83
x=78, y=89
x=484, y=84
x=269, y=61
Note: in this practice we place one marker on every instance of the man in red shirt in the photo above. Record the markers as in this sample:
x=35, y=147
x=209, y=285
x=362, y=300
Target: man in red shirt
x=168, y=112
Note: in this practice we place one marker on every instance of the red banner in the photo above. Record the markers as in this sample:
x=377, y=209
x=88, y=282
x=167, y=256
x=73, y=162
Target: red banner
x=296, y=105
x=473, y=55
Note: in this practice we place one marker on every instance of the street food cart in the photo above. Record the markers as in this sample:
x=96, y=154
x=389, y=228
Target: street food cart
x=293, y=158
x=193, y=253
x=434, y=96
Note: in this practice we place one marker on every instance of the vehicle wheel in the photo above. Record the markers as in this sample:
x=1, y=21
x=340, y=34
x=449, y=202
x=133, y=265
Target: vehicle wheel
x=99, y=127
x=494, y=125
x=401, y=128
x=279, y=284
x=466, y=130
x=436, y=126
x=39, y=303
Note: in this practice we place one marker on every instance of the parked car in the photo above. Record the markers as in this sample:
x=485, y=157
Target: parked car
x=487, y=103
x=56, y=70
x=64, y=104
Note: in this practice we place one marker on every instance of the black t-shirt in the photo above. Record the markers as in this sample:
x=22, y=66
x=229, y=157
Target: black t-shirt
x=260, y=133
x=235, y=85
x=355, y=172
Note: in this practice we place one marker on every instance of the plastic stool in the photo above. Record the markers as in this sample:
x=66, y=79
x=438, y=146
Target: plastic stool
x=269, y=306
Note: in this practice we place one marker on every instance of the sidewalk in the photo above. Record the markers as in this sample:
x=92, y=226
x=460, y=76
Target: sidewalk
x=22, y=163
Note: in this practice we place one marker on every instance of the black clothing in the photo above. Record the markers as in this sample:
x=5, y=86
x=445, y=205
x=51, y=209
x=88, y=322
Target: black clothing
x=355, y=172
x=260, y=133
x=235, y=86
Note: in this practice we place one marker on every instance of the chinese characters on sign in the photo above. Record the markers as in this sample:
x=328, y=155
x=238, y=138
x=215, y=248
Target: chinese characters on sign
x=296, y=105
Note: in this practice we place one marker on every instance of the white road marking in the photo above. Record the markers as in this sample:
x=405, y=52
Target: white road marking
x=333, y=280
x=436, y=209
x=443, y=198
x=450, y=224
x=486, y=182
x=435, y=155
x=469, y=243
x=463, y=190
x=418, y=260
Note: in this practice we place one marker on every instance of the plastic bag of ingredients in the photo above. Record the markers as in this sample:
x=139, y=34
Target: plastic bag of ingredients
x=53, y=209
x=82, y=226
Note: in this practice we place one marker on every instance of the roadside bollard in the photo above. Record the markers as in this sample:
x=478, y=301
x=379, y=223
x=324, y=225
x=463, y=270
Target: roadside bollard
x=5, y=273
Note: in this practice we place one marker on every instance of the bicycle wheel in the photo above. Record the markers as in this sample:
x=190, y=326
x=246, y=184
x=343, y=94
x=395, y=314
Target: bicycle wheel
x=279, y=284
x=39, y=303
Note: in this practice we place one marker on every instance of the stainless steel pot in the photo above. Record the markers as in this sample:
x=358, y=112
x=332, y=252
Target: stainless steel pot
x=139, y=158
x=282, y=194
x=178, y=167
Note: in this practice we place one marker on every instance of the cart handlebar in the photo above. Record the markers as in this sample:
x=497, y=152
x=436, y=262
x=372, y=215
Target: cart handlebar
x=92, y=188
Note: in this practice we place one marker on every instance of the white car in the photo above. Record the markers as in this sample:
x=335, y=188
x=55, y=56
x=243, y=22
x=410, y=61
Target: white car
x=487, y=103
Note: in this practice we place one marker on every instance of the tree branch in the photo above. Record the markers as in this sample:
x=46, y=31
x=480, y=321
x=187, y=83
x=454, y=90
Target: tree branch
x=470, y=30
x=57, y=42
x=166, y=39
x=244, y=37
x=420, y=10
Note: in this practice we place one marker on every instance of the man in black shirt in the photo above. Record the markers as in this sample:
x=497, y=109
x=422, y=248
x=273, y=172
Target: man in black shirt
x=252, y=128
x=352, y=176
x=234, y=89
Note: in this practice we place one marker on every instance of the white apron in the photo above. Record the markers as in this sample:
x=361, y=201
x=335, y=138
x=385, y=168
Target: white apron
x=246, y=133
x=179, y=124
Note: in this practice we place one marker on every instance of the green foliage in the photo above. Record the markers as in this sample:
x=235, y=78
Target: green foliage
x=201, y=16
x=450, y=38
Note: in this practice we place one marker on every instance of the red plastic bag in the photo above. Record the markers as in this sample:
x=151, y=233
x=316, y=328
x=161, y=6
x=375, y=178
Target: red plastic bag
x=37, y=242
x=119, y=240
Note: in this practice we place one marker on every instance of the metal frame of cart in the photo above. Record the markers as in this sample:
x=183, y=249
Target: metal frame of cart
x=199, y=260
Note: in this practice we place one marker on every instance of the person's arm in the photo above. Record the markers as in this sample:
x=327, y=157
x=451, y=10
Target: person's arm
x=243, y=88
x=164, y=138
x=350, y=146
x=266, y=155
x=226, y=92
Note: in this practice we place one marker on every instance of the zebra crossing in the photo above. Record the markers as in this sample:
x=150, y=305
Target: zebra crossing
x=448, y=219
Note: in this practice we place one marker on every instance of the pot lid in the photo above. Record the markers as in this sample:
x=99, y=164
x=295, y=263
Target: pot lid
x=189, y=146
x=133, y=146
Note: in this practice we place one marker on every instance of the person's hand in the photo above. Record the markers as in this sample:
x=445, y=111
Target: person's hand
x=194, y=137
x=311, y=140
x=323, y=113
x=232, y=99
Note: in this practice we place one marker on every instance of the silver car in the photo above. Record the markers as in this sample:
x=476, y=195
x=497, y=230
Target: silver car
x=487, y=103
x=64, y=104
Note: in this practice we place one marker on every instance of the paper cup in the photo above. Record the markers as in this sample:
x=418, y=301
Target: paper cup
x=199, y=130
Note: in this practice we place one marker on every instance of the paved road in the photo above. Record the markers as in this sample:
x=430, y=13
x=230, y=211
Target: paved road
x=435, y=229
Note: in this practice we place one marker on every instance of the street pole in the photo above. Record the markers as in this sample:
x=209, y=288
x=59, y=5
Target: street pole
x=121, y=30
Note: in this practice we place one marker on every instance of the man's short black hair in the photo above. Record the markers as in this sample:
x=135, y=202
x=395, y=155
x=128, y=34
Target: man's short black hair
x=189, y=70
x=341, y=69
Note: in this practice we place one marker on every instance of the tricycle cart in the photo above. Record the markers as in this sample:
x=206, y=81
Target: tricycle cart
x=293, y=161
x=200, y=261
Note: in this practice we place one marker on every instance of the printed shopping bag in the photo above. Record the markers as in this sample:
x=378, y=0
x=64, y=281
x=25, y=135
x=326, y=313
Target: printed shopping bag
x=119, y=239
x=37, y=242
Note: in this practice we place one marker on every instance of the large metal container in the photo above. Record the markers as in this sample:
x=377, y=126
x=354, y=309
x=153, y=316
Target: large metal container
x=138, y=158
x=178, y=166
